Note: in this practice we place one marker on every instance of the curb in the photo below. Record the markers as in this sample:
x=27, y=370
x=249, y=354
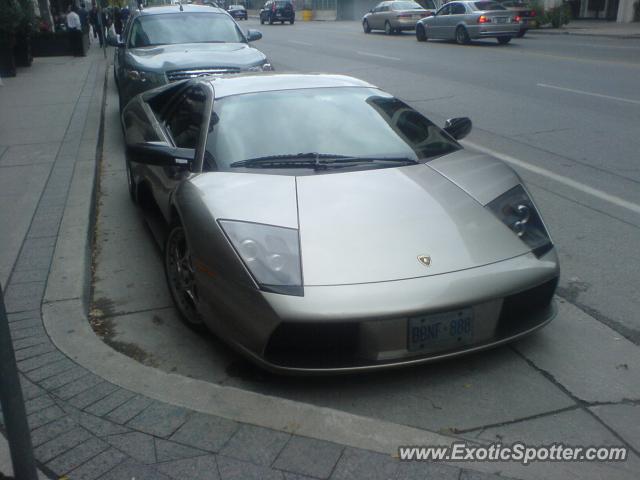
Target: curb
x=547, y=31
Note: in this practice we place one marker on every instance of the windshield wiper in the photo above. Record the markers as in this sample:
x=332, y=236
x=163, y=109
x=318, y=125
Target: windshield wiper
x=317, y=161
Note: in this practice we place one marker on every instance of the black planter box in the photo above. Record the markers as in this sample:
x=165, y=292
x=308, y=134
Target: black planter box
x=7, y=61
x=22, y=50
x=56, y=44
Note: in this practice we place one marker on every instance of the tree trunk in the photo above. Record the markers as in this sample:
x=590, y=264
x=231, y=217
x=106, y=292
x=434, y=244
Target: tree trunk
x=45, y=13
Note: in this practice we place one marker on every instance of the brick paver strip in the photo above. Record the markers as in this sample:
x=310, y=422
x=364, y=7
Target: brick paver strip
x=29, y=342
x=206, y=432
x=92, y=395
x=137, y=445
x=159, y=419
x=36, y=404
x=98, y=465
x=19, y=325
x=309, y=456
x=34, y=351
x=52, y=430
x=45, y=416
x=77, y=455
x=64, y=378
x=256, y=445
x=167, y=450
x=110, y=402
x=137, y=471
x=232, y=469
x=57, y=446
x=198, y=468
x=14, y=317
x=129, y=409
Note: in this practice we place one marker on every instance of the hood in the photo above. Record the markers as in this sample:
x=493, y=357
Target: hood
x=193, y=55
x=371, y=226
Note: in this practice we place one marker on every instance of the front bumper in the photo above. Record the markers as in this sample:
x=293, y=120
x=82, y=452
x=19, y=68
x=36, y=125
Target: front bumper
x=349, y=328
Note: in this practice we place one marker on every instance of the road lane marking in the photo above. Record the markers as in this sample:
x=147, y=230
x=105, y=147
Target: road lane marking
x=298, y=42
x=582, y=92
x=590, y=45
x=581, y=187
x=377, y=56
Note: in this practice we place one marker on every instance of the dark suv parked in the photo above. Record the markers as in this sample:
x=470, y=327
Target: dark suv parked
x=165, y=44
x=277, y=11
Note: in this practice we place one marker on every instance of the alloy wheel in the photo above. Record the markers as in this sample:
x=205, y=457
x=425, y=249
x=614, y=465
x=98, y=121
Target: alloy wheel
x=181, y=276
x=462, y=37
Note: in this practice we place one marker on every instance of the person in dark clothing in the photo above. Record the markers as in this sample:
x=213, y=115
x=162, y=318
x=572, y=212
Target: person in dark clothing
x=124, y=14
x=74, y=28
x=84, y=17
x=95, y=24
x=117, y=20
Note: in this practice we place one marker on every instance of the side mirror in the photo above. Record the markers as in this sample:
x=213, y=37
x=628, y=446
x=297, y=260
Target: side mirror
x=253, y=35
x=114, y=40
x=160, y=154
x=458, y=128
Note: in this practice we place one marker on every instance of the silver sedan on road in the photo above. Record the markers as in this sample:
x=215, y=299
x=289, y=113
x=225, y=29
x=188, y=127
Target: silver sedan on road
x=396, y=16
x=319, y=224
x=469, y=20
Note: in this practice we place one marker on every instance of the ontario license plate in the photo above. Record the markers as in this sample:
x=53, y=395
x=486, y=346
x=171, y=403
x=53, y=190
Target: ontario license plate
x=440, y=330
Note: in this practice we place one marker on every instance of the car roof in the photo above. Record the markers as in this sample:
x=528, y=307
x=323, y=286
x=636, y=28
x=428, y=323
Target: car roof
x=267, y=82
x=176, y=9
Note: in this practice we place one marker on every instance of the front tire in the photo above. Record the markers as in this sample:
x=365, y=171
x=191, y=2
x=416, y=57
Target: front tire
x=387, y=28
x=366, y=27
x=181, y=277
x=131, y=184
x=504, y=40
x=421, y=33
x=462, y=37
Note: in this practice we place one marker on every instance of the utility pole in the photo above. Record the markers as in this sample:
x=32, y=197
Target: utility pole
x=15, y=417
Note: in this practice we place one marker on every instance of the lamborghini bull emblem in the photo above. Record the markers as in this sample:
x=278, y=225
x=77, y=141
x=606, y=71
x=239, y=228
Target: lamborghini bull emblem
x=425, y=260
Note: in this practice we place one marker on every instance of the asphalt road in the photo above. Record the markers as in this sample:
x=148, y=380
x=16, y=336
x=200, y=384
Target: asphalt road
x=567, y=111
x=567, y=104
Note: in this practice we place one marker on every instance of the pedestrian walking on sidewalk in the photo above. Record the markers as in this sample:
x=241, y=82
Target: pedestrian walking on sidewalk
x=74, y=26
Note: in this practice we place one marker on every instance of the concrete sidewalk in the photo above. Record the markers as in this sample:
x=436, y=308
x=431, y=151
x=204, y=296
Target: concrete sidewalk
x=593, y=28
x=86, y=425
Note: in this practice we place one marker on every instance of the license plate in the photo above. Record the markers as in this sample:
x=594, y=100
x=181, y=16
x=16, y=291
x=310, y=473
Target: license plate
x=416, y=16
x=440, y=330
x=501, y=19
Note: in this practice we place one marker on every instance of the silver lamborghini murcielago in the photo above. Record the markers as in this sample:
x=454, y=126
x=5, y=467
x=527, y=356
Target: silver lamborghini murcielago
x=318, y=224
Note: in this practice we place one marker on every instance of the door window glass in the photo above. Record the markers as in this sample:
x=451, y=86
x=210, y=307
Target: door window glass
x=185, y=120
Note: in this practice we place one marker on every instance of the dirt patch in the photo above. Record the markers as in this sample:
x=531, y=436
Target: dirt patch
x=105, y=329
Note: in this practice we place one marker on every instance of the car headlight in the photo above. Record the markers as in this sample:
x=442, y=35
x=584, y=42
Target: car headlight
x=145, y=77
x=515, y=209
x=265, y=67
x=271, y=254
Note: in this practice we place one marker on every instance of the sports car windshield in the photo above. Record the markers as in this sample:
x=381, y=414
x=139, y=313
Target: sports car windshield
x=250, y=130
x=183, y=27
